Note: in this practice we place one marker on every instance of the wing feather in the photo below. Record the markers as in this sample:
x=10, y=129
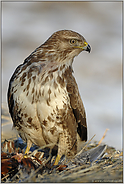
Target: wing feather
x=77, y=106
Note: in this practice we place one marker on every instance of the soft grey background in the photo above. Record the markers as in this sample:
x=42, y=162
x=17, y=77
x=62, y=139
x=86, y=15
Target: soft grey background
x=26, y=25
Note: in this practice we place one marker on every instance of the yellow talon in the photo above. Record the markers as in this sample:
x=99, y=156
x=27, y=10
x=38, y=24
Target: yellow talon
x=26, y=152
x=57, y=160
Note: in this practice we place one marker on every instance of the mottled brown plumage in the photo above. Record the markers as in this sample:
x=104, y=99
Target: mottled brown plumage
x=43, y=97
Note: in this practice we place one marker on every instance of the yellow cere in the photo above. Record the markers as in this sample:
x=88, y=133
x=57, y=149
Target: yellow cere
x=85, y=44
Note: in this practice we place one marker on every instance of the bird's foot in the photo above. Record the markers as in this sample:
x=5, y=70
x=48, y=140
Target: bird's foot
x=57, y=160
x=26, y=152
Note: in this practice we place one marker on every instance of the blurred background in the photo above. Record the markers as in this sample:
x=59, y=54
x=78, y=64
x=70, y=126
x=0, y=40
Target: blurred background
x=26, y=25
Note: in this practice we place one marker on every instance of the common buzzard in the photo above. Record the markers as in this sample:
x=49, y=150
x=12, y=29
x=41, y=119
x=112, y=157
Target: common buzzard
x=43, y=96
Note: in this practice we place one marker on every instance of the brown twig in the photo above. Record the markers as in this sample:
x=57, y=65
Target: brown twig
x=103, y=136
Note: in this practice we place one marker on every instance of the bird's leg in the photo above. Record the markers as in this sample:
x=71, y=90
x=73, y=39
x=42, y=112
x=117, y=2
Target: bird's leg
x=67, y=146
x=61, y=149
x=29, y=144
x=57, y=159
x=27, y=150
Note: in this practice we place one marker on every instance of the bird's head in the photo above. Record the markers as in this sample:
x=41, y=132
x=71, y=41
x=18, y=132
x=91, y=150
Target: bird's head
x=61, y=47
x=66, y=44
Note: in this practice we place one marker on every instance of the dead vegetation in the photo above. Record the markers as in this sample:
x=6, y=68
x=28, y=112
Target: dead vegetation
x=96, y=162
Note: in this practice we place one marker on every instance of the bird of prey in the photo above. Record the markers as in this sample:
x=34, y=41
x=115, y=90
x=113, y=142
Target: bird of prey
x=43, y=96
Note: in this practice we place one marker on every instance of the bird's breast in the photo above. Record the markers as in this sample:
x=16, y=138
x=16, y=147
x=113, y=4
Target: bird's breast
x=54, y=99
x=44, y=91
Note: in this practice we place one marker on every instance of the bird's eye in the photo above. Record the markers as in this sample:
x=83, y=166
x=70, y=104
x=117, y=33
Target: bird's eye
x=72, y=41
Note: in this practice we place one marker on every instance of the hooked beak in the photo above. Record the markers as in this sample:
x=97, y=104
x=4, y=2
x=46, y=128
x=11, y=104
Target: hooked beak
x=88, y=48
